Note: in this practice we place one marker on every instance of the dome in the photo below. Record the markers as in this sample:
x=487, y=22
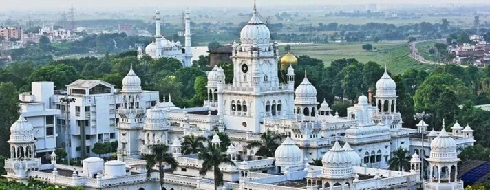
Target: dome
x=415, y=158
x=305, y=93
x=336, y=155
x=432, y=133
x=443, y=143
x=457, y=126
x=155, y=119
x=324, y=106
x=231, y=149
x=213, y=74
x=21, y=127
x=216, y=139
x=151, y=49
x=255, y=32
x=131, y=82
x=288, y=154
x=386, y=86
x=363, y=100
x=467, y=129
x=288, y=60
x=354, y=157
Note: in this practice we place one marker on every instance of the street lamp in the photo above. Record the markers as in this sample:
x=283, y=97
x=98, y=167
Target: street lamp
x=67, y=102
x=422, y=128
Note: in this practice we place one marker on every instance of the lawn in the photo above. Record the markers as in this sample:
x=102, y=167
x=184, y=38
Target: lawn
x=394, y=54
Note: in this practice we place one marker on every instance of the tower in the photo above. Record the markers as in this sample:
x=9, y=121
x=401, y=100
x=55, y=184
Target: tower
x=443, y=164
x=386, y=98
x=187, y=35
x=176, y=147
x=22, y=151
x=132, y=115
x=290, y=76
x=305, y=101
x=158, y=36
x=155, y=129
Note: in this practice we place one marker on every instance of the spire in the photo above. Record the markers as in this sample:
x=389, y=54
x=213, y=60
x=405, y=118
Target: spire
x=169, y=97
x=386, y=70
x=255, y=7
x=305, y=74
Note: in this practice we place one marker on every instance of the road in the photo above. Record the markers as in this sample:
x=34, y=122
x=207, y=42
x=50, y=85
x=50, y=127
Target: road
x=414, y=52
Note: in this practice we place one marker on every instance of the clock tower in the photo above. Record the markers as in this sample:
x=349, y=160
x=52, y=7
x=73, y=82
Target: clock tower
x=255, y=92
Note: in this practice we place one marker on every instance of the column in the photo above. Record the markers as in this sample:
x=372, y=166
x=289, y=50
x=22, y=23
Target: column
x=382, y=106
x=456, y=173
x=331, y=185
x=430, y=172
x=394, y=106
x=438, y=174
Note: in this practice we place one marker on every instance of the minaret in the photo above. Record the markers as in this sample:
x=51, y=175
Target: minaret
x=188, y=50
x=158, y=36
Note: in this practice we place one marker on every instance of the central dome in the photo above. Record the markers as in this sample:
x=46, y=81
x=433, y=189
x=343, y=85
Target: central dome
x=255, y=32
x=131, y=82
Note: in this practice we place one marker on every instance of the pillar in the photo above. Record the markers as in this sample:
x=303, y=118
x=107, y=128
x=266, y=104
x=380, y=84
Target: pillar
x=438, y=174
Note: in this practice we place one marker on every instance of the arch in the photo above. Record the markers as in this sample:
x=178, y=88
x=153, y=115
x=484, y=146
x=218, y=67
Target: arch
x=386, y=105
x=20, y=152
x=13, y=152
x=298, y=110
x=233, y=106
x=279, y=105
x=366, y=157
x=141, y=188
x=244, y=106
x=378, y=156
x=313, y=111
x=238, y=106
x=274, y=108
x=267, y=106
x=306, y=111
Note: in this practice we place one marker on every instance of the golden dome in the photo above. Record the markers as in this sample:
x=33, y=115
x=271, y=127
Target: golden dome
x=288, y=59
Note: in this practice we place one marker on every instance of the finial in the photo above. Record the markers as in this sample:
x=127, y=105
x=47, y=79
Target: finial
x=444, y=123
x=169, y=97
x=386, y=69
x=131, y=67
x=255, y=6
x=305, y=74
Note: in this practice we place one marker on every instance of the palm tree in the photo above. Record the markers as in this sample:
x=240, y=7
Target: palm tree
x=268, y=145
x=162, y=155
x=150, y=162
x=213, y=156
x=400, y=160
x=192, y=144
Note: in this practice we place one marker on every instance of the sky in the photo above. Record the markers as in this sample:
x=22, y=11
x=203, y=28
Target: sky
x=35, y=5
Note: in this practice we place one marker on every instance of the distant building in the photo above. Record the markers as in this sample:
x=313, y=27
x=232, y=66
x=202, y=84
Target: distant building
x=12, y=33
x=220, y=55
x=127, y=28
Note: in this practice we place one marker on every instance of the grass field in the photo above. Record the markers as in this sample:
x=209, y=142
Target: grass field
x=424, y=47
x=394, y=54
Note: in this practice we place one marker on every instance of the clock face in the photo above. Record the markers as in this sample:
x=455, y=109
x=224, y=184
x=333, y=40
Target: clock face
x=245, y=68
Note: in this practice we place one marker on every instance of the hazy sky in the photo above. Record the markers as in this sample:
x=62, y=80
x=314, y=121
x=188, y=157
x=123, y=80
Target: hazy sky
x=23, y=5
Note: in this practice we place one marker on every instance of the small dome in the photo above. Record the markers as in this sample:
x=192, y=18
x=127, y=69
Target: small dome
x=288, y=60
x=131, y=82
x=363, y=100
x=213, y=74
x=467, y=129
x=155, y=114
x=457, y=126
x=354, y=157
x=216, y=139
x=151, y=49
x=336, y=155
x=324, y=106
x=288, y=154
x=386, y=86
x=255, y=32
x=415, y=158
x=443, y=142
x=21, y=127
x=231, y=149
x=432, y=133
x=305, y=93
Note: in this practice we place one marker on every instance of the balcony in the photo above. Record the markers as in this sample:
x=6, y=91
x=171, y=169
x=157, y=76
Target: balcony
x=87, y=115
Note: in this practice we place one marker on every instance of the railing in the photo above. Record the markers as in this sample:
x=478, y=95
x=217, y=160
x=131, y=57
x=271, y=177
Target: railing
x=87, y=115
x=252, y=185
x=256, y=164
x=444, y=186
x=129, y=179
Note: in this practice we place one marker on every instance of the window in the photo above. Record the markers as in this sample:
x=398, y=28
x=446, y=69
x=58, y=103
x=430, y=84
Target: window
x=113, y=135
x=78, y=91
x=87, y=137
x=99, y=89
x=77, y=109
x=100, y=136
x=153, y=103
x=118, y=105
x=49, y=120
x=87, y=108
x=49, y=131
x=87, y=148
x=183, y=169
x=77, y=149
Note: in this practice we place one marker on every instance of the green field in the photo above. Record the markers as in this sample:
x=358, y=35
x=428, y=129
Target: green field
x=394, y=54
x=424, y=47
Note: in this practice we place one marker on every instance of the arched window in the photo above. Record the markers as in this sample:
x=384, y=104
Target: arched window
x=244, y=106
x=274, y=107
x=298, y=110
x=313, y=111
x=233, y=106
x=306, y=111
x=268, y=107
x=279, y=105
x=386, y=106
x=238, y=106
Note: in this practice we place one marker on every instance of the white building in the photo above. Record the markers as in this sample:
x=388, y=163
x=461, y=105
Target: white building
x=36, y=108
x=162, y=47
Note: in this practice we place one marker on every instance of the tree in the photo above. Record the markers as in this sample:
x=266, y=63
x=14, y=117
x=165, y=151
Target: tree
x=60, y=74
x=100, y=148
x=160, y=151
x=351, y=82
x=412, y=39
x=316, y=162
x=371, y=73
x=113, y=78
x=228, y=70
x=212, y=156
x=445, y=25
x=150, y=162
x=187, y=76
x=367, y=47
x=10, y=114
x=60, y=154
x=268, y=144
x=192, y=144
x=463, y=37
x=171, y=85
x=287, y=48
x=201, y=91
x=214, y=45
x=400, y=160
x=43, y=40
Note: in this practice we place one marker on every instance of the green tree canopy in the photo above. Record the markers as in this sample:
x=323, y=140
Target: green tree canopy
x=60, y=74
